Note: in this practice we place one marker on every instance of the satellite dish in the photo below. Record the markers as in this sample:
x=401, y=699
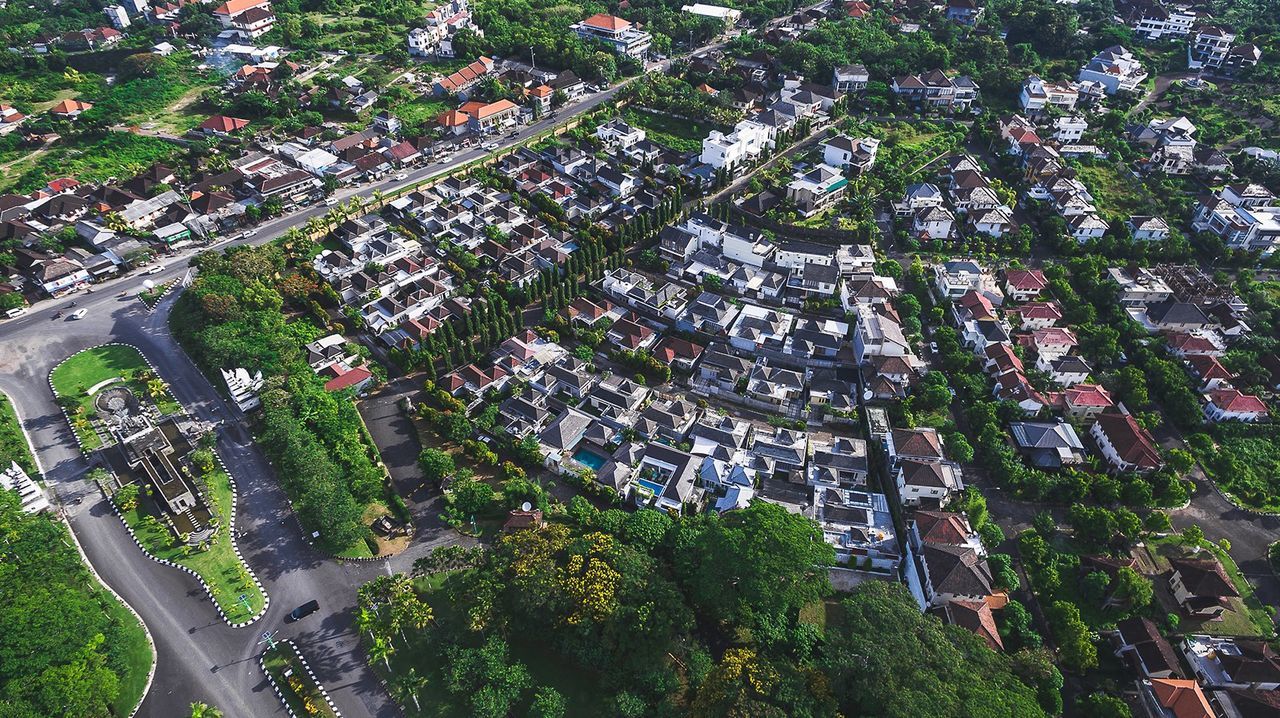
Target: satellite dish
x=148, y=285
x=868, y=395
x=526, y=506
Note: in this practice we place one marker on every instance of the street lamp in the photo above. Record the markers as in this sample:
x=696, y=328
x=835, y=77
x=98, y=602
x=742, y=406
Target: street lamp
x=532, y=63
x=269, y=638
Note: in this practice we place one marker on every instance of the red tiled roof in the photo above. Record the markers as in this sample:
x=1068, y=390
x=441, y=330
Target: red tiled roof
x=67, y=107
x=222, y=123
x=453, y=118
x=607, y=22
x=1208, y=367
x=1039, y=310
x=1088, y=395
x=669, y=349
x=348, y=378
x=1235, y=401
x=1026, y=279
x=1183, y=697
x=1132, y=442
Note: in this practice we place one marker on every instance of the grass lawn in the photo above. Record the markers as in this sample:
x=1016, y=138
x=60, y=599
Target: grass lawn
x=134, y=652
x=1115, y=191
x=678, y=134
x=13, y=443
x=85, y=370
x=218, y=566
x=89, y=159
x=421, y=112
x=299, y=691
x=1245, y=616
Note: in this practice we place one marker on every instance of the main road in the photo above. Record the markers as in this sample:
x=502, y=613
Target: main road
x=198, y=656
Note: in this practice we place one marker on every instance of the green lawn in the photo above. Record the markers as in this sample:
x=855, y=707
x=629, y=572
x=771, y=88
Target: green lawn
x=133, y=651
x=678, y=134
x=1246, y=615
x=219, y=566
x=83, y=371
x=89, y=158
x=421, y=112
x=1115, y=192
x=13, y=443
x=299, y=691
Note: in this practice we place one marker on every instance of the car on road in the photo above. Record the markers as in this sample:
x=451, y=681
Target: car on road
x=489, y=146
x=156, y=269
x=79, y=313
x=401, y=176
x=304, y=610
x=513, y=133
x=249, y=233
x=331, y=201
x=16, y=312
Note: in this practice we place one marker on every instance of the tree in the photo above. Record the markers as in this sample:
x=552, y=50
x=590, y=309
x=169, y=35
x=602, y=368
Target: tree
x=1075, y=641
x=547, y=703
x=751, y=565
x=436, y=465
x=204, y=710
x=887, y=659
x=1193, y=536
x=1102, y=705
x=1132, y=589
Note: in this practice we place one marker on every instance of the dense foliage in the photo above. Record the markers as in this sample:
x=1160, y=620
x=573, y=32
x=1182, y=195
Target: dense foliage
x=647, y=614
x=64, y=640
x=234, y=315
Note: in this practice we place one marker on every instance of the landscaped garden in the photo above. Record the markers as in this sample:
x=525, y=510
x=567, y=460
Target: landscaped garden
x=303, y=695
x=214, y=558
x=1245, y=616
x=13, y=443
x=79, y=379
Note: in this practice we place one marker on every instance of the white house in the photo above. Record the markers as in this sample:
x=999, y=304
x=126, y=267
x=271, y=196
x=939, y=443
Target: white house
x=745, y=143
x=1233, y=405
x=1116, y=69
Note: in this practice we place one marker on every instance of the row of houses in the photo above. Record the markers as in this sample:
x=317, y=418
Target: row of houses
x=969, y=192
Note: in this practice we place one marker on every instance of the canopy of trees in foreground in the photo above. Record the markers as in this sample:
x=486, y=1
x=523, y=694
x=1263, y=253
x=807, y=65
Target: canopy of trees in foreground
x=65, y=643
x=643, y=614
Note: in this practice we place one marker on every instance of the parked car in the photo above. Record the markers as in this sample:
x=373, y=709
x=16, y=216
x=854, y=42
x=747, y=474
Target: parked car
x=79, y=313
x=401, y=176
x=16, y=312
x=304, y=610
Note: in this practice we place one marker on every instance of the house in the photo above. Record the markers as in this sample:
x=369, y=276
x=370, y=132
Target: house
x=954, y=572
x=1067, y=370
x=1201, y=586
x=727, y=15
x=1140, y=287
x=70, y=108
x=339, y=376
x=1024, y=284
x=930, y=483
x=917, y=197
x=227, y=12
x=1069, y=129
x=1086, y=226
x=1210, y=371
x=1238, y=664
x=10, y=119
x=1233, y=405
x=850, y=78
x=1047, y=445
x=1147, y=229
x=932, y=223
x=941, y=527
x=1139, y=641
x=1085, y=401
x=965, y=12
x=745, y=143
x=1116, y=69
x=1051, y=343
x=221, y=125
x=618, y=34
x=816, y=189
x=850, y=154
x=1124, y=444
x=677, y=353
x=460, y=83
x=1174, y=315
x=1036, y=95
x=915, y=444
x=667, y=420
x=1176, y=698
x=665, y=478
x=1035, y=315
x=976, y=617
x=559, y=440
x=935, y=90
x=841, y=463
x=571, y=376
x=493, y=116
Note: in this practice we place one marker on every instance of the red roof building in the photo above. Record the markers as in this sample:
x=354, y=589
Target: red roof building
x=221, y=124
x=1233, y=405
x=1125, y=444
x=344, y=378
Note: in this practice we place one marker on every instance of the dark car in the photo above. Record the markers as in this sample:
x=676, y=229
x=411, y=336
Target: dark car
x=304, y=610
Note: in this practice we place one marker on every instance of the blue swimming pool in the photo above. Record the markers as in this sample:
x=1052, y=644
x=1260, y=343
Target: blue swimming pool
x=656, y=488
x=589, y=458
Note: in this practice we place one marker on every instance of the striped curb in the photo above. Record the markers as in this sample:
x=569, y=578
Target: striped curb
x=84, y=558
x=168, y=288
x=262, y=663
x=231, y=519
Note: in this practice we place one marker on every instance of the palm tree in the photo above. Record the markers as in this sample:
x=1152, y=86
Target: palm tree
x=204, y=710
x=156, y=388
x=378, y=196
x=407, y=685
x=381, y=650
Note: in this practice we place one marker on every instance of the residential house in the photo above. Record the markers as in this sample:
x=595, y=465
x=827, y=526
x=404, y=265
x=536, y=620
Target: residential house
x=1201, y=586
x=1085, y=401
x=850, y=154
x=1233, y=405
x=850, y=78
x=618, y=34
x=1139, y=641
x=1124, y=444
x=1147, y=229
x=1024, y=284
x=1116, y=69
x=1047, y=445
x=927, y=483
x=1066, y=370
x=935, y=90
x=954, y=572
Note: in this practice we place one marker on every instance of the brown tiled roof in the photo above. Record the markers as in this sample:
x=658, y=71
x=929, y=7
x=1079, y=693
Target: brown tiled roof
x=1204, y=577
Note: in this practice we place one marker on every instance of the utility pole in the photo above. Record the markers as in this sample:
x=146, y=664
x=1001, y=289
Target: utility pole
x=532, y=63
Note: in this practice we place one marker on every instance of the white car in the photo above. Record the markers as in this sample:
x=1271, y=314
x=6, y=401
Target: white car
x=401, y=176
x=489, y=146
x=249, y=233
x=156, y=269
x=79, y=313
x=330, y=202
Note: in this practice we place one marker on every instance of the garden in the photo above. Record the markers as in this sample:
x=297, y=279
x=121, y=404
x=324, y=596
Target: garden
x=78, y=380
x=214, y=559
x=13, y=443
x=300, y=692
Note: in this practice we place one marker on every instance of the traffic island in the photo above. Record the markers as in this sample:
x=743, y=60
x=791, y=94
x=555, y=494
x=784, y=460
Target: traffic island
x=294, y=683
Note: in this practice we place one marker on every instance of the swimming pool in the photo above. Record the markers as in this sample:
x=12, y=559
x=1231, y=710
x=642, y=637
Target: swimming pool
x=656, y=488
x=589, y=458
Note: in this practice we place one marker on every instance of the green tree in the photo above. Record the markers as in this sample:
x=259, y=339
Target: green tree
x=547, y=703
x=204, y=710
x=436, y=465
x=1075, y=641
x=1102, y=705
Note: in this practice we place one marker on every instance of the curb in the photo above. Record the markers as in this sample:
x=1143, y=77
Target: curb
x=84, y=558
x=262, y=664
x=168, y=288
x=231, y=519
